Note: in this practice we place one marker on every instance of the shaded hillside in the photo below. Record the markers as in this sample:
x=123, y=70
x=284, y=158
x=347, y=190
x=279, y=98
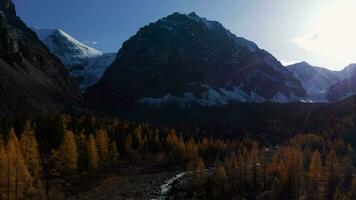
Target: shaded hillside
x=32, y=79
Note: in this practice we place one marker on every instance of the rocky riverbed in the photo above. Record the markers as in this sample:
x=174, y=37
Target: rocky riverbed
x=134, y=182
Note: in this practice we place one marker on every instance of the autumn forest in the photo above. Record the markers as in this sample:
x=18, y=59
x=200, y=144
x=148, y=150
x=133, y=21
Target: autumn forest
x=307, y=166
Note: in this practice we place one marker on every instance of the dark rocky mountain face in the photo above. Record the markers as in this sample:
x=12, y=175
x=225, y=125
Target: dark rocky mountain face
x=8, y=8
x=323, y=85
x=315, y=80
x=342, y=89
x=185, y=59
x=32, y=79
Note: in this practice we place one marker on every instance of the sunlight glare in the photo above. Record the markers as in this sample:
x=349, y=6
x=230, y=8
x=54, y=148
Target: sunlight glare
x=333, y=35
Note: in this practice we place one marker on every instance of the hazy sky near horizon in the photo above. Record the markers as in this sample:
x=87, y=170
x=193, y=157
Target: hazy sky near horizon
x=321, y=32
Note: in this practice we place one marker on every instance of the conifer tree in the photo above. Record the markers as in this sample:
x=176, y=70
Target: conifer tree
x=315, y=175
x=68, y=153
x=346, y=166
x=93, y=156
x=221, y=180
x=3, y=169
x=157, y=142
x=114, y=154
x=31, y=155
x=263, y=167
x=102, y=144
x=191, y=151
x=139, y=142
x=352, y=189
x=200, y=171
x=176, y=145
x=253, y=166
x=128, y=144
x=30, y=151
x=19, y=180
x=331, y=176
x=240, y=175
x=82, y=151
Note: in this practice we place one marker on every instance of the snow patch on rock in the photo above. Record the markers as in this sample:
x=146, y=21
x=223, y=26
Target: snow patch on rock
x=218, y=97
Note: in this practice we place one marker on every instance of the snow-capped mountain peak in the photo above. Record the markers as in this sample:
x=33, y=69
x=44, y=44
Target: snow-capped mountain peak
x=315, y=80
x=66, y=47
x=84, y=63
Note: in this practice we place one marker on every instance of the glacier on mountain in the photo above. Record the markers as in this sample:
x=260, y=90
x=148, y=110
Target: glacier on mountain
x=84, y=63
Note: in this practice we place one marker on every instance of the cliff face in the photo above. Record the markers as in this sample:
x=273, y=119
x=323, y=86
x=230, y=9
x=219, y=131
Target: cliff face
x=32, y=79
x=8, y=8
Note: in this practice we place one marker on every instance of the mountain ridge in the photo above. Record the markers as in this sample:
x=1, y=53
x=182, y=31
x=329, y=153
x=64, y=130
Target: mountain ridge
x=33, y=80
x=187, y=59
x=324, y=85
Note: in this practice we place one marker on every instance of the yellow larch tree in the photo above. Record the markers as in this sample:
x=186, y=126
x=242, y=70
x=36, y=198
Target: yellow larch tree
x=19, y=180
x=220, y=179
x=331, y=175
x=191, y=151
x=176, y=145
x=114, y=154
x=31, y=155
x=93, y=157
x=102, y=144
x=68, y=153
x=82, y=151
x=128, y=144
x=3, y=169
x=315, y=175
x=139, y=142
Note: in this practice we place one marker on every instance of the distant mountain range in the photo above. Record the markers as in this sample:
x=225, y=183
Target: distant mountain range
x=32, y=79
x=84, y=63
x=323, y=85
x=87, y=66
x=186, y=59
x=182, y=60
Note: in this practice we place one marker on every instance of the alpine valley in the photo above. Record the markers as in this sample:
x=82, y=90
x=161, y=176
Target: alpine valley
x=179, y=61
x=185, y=110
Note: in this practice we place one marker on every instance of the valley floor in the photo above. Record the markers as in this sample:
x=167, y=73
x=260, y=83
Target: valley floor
x=123, y=181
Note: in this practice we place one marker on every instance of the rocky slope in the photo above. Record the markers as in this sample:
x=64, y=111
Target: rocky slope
x=89, y=70
x=342, y=90
x=315, y=80
x=84, y=63
x=323, y=85
x=186, y=59
x=32, y=79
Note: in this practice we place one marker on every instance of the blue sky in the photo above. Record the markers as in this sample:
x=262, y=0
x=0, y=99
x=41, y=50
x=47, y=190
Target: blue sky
x=303, y=30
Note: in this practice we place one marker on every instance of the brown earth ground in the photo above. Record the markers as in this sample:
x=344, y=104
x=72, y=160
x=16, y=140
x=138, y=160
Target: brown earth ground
x=122, y=181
